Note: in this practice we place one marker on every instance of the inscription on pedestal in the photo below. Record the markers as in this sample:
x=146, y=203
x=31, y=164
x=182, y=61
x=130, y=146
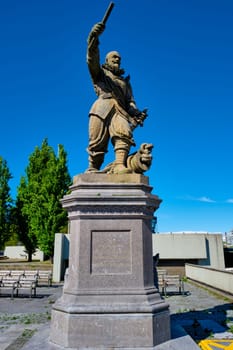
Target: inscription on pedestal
x=111, y=252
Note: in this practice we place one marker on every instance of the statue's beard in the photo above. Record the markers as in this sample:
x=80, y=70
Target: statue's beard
x=115, y=70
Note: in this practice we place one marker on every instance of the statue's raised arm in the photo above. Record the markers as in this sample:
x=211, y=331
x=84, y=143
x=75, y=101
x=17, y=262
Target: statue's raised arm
x=93, y=59
x=93, y=56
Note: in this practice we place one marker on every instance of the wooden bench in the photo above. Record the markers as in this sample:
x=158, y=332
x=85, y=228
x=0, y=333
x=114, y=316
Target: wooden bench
x=31, y=274
x=27, y=282
x=4, y=273
x=17, y=280
x=44, y=275
x=15, y=284
x=8, y=282
x=16, y=273
x=159, y=279
x=173, y=281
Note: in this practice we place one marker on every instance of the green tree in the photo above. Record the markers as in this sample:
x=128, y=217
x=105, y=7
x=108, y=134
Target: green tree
x=21, y=219
x=47, y=180
x=5, y=202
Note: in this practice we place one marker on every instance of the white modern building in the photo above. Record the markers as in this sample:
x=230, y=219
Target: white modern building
x=203, y=249
x=198, y=248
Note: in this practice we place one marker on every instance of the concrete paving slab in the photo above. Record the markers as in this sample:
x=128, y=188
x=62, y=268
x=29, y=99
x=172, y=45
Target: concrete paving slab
x=9, y=334
x=181, y=343
x=40, y=341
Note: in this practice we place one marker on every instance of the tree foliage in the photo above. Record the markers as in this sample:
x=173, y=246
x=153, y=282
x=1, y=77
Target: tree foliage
x=38, y=201
x=21, y=219
x=5, y=202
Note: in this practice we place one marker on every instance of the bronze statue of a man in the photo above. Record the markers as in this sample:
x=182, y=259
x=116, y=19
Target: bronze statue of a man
x=114, y=114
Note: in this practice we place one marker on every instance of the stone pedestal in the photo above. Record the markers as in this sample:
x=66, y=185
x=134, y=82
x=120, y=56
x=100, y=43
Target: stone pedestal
x=109, y=300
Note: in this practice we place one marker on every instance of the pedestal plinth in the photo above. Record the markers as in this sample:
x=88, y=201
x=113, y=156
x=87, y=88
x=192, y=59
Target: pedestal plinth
x=109, y=299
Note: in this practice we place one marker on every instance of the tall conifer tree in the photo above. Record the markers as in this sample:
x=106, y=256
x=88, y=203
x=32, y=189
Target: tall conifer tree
x=47, y=180
x=5, y=202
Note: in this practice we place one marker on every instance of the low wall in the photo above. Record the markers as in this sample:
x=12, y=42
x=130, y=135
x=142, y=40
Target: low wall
x=216, y=278
x=61, y=256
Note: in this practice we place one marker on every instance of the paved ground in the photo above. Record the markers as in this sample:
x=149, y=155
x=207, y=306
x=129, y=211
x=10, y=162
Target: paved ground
x=198, y=313
x=23, y=316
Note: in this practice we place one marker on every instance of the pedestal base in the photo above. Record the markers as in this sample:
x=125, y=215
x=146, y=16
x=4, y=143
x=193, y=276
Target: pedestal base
x=103, y=331
x=109, y=300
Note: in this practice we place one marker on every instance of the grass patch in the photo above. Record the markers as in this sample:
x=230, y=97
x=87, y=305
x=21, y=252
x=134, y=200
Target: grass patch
x=34, y=318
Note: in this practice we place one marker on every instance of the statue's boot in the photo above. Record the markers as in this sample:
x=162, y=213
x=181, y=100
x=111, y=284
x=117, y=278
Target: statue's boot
x=120, y=161
x=91, y=170
x=95, y=161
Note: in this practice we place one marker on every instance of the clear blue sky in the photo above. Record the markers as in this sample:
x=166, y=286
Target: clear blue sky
x=179, y=55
